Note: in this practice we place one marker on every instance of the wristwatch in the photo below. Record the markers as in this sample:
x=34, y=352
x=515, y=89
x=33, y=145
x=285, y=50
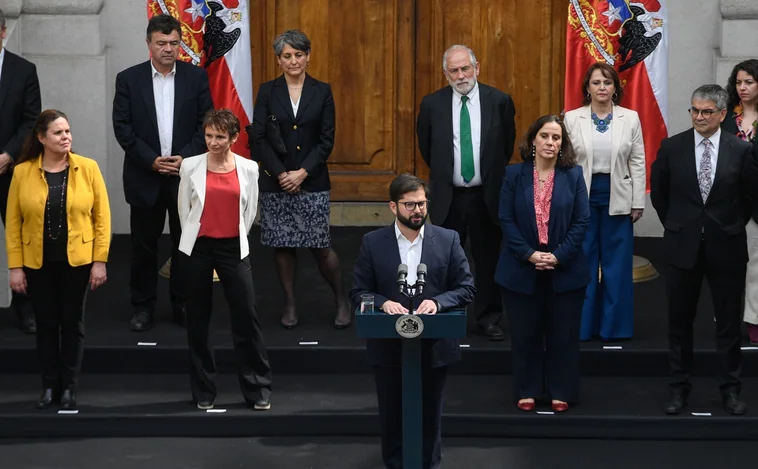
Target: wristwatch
x=439, y=306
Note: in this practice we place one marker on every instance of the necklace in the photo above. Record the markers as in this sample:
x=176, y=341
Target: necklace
x=62, y=187
x=601, y=125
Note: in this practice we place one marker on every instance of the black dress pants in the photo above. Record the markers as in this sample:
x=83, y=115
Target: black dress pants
x=58, y=292
x=468, y=214
x=236, y=279
x=389, y=395
x=545, y=340
x=727, y=285
x=146, y=228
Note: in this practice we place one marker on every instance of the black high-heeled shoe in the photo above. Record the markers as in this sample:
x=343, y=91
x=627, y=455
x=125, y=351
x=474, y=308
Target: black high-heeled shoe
x=46, y=399
x=68, y=399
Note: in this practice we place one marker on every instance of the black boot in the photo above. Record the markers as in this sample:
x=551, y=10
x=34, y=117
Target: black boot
x=68, y=399
x=45, y=399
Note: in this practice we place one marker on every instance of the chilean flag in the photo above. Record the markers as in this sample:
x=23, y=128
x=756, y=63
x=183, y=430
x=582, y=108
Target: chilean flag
x=633, y=37
x=216, y=36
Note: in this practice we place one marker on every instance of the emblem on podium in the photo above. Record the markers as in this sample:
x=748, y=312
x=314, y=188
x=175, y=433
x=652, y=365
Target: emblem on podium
x=409, y=326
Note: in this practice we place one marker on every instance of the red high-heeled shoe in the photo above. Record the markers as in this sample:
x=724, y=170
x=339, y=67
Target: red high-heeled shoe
x=560, y=406
x=526, y=406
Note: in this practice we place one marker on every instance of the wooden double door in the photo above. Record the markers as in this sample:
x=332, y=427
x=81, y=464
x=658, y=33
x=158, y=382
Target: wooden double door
x=382, y=57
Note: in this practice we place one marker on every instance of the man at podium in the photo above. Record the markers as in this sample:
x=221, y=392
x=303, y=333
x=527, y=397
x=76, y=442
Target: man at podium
x=448, y=285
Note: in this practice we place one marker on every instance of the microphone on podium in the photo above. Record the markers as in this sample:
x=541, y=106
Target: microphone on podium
x=420, y=279
x=402, y=274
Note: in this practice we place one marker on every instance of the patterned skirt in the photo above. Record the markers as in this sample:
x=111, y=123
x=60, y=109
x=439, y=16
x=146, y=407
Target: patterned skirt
x=295, y=220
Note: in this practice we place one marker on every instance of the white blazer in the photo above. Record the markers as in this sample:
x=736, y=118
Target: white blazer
x=627, y=155
x=192, y=197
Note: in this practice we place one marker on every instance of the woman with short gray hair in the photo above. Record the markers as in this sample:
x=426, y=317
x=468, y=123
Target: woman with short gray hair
x=293, y=135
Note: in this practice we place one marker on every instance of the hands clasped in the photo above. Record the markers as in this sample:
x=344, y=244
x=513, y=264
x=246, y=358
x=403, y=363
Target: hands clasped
x=543, y=260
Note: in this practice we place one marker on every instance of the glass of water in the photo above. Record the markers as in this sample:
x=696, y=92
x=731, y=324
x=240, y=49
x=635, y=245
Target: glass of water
x=367, y=304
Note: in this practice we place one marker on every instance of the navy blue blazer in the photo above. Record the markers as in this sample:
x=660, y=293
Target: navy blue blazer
x=569, y=218
x=449, y=282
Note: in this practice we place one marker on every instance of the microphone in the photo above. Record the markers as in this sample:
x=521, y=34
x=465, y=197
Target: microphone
x=402, y=274
x=420, y=279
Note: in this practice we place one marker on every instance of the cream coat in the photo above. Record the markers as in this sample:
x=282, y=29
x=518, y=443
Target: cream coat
x=192, y=197
x=627, y=155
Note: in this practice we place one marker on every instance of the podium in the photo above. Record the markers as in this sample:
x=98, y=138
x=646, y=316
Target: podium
x=411, y=329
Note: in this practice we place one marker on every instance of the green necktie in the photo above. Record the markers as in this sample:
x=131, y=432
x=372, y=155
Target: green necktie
x=467, y=148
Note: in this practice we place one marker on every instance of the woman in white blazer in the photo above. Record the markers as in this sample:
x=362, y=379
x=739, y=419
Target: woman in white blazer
x=218, y=198
x=608, y=143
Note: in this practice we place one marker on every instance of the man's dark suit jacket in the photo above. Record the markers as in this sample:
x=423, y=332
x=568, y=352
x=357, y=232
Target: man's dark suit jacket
x=569, y=218
x=309, y=136
x=721, y=220
x=449, y=281
x=20, y=102
x=136, y=125
x=435, y=142
x=730, y=126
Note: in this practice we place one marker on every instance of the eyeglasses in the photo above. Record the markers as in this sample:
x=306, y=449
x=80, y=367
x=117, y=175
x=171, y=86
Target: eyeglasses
x=694, y=112
x=411, y=206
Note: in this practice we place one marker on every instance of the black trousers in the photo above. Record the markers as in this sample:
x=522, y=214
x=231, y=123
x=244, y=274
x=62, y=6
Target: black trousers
x=19, y=301
x=58, y=292
x=545, y=341
x=236, y=279
x=147, y=226
x=683, y=290
x=390, y=399
x=468, y=214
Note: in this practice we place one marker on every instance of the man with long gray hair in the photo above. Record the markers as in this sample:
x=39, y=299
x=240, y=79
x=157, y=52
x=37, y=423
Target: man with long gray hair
x=704, y=185
x=20, y=104
x=466, y=133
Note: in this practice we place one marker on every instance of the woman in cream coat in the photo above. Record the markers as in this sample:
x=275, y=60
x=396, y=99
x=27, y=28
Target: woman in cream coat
x=608, y=143
x=218, y=199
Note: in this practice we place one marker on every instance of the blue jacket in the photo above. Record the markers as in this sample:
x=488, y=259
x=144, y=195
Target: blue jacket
x=569, y=217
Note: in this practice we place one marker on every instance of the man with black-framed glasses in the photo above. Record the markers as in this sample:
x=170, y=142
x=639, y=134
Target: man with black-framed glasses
x=704, y=186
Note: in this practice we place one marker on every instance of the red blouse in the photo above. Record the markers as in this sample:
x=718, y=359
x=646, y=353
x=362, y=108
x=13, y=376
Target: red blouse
x=542, y=201
x=221, y=210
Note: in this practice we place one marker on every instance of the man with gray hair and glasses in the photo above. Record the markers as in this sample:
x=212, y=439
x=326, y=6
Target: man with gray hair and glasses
x=20, y=104
x=704, y=185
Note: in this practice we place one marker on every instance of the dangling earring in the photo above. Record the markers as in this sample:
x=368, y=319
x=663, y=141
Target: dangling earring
x=534, y=152
x=615, y=96
x=560, y=154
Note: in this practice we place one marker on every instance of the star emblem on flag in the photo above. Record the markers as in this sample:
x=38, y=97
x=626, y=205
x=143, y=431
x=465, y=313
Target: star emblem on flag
x=613, y=14
x=198, y=10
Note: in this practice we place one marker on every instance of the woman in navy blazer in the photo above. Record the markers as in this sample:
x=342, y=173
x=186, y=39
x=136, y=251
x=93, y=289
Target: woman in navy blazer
x=544, y=213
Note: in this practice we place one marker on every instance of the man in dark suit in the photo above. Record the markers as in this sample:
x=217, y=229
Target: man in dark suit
x=703, y=186
x=466, y=133
x=20, y=104
x=158, y=113
x=449, y=285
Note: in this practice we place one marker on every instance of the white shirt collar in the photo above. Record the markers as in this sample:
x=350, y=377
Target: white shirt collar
x=473, y=95
x=399, y=233
x=714, y=139
x=156, y=72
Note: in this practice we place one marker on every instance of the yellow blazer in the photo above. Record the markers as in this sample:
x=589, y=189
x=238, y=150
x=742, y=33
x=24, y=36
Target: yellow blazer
x=87, y=212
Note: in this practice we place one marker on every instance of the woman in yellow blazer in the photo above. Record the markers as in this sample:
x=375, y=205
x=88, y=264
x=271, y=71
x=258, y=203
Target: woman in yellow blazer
x=58, y=232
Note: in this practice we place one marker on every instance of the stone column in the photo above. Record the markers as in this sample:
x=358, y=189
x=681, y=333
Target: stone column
x=738, y=36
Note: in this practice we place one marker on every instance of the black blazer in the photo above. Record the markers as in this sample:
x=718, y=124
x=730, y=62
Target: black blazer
x=20, y=102
x=569, y=218
x=721, y=220
x=309, y=136
x=449, y=281
x=136, y=126
x=729, y=125
x=435, y=142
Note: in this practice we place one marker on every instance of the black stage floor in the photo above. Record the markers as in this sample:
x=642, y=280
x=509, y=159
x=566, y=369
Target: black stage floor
x=135, y=384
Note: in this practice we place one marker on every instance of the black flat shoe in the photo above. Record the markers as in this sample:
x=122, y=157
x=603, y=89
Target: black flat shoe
x=262, y=404
x=46, y=399
x=141, y=321
x=68, y=399
x=676, y=404
x=734, y=405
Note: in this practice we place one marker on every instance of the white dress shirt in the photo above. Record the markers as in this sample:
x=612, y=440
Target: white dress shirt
x=2, y=58
x=410, y=252
x=163, y=93
x=700, y=149
x=601, y=150
x=475, y=115
x=295, y=105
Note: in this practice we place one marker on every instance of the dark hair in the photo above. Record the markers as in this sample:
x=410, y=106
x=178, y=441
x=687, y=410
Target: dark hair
x=32, y=147
x=164, y=24
x=566, y=157
x=608, y=72
x=748, y=66
x=223, y=120
x=2, y=20
x=404, y=184
x=295, y=39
